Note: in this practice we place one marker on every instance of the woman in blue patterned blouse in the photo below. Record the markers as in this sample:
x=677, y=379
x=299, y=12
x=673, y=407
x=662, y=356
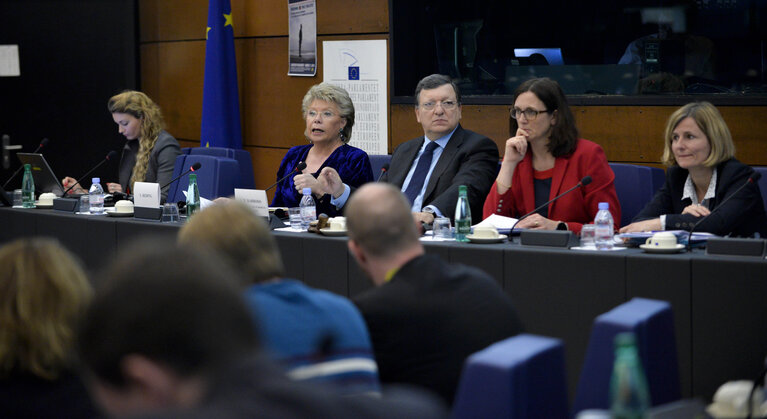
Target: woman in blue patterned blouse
x=329, y=114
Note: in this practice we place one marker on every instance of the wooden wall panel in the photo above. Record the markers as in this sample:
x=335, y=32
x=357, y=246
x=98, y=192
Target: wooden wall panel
x=172, y=70
x=266, y=161
x=271, y=100
x=172, y=20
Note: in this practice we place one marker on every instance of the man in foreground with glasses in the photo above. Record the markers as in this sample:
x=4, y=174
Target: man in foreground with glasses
x=429, y=169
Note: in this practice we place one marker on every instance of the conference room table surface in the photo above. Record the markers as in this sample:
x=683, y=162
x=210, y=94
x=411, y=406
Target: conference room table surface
x=719, y=302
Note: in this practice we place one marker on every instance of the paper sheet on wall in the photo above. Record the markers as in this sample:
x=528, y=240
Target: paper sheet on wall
x=302, y=39
x=9, y=61
x=360, y=68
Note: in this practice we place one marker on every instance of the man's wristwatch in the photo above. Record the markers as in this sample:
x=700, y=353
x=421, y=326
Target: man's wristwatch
x=430, y=211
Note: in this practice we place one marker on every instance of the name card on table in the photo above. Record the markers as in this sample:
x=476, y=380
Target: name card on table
x=255, y=199
x=146, y=195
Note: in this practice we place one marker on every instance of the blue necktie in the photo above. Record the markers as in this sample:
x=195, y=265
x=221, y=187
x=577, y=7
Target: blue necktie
x=421, y=170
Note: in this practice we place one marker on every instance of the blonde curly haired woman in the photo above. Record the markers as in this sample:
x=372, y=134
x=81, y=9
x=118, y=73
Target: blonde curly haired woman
x=43, y=292
x=149, y=154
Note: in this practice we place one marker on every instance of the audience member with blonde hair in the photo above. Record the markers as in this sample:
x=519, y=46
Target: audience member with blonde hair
x=702, y=172
x=315, y=334
x=43, y=291
x=150, y=152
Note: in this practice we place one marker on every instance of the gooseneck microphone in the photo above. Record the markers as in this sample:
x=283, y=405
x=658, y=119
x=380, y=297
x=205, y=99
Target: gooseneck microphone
x=585, y=181
x=755, y=176
x=301, y=166
x=42, y=144
x=193, y=168
x=112, y=154
x=384, y=169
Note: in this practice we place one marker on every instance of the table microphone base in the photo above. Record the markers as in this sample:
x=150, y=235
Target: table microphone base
x=553, y=238
x=66, y=204
x=735, y=247
x=145, y=213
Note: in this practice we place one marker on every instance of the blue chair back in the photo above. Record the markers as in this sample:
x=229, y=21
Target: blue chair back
x=762, y=182
x=519, y=377
x=377, y=161
x=635, y=186
x=653, y=324
x=246, y=179
x=216, y=177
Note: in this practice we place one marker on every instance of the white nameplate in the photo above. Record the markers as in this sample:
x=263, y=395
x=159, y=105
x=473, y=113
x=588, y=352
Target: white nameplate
x=146, y=195
x=255, y=199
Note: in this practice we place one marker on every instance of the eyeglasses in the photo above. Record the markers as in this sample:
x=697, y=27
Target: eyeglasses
x=530, y=114
x=447, y=105
x=325, y=114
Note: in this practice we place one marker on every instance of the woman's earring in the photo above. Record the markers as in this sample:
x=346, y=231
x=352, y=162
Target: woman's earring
x=341, y=134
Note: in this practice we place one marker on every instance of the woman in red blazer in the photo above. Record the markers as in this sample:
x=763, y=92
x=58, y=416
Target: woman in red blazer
x=546, y=158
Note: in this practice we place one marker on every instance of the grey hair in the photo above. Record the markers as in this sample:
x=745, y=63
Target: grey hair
x=434, y=81
x=333, y=94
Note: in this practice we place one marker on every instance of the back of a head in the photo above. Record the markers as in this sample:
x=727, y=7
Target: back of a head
x=43, y=291
x=379, y=220
x=239, y=237
x=175, y=306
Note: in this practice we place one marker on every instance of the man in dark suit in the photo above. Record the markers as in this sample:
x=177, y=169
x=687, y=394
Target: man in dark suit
x=429, y=169
x=425, y=316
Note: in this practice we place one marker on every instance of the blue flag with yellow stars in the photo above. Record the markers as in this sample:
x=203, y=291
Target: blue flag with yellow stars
x=220, y=98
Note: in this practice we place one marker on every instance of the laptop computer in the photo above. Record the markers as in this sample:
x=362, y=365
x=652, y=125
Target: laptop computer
x=45, y=180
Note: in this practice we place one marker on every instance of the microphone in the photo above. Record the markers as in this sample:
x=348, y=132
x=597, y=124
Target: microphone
x=755, y=176
x=112, y=154
x=43, y=143
x=194, y=167
x=585, y=181
x=301, y=166
x=384, y=169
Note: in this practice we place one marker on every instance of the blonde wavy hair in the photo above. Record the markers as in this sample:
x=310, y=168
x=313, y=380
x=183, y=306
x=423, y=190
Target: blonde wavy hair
x=712, y=124
x=43, y=291
x=140, y=106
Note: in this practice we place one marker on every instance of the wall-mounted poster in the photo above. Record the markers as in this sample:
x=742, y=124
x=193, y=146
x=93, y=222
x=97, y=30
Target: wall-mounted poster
x=360, y=68
x=302, y=40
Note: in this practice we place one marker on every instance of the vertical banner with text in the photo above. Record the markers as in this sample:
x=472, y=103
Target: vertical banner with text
x=360, y=68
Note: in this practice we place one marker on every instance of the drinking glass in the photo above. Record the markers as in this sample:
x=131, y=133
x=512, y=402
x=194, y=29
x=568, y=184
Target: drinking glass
x=85, y=204
x=587, y=235
x=17, y=200
x=441, y=228
x=170, y=213
x=295, y=218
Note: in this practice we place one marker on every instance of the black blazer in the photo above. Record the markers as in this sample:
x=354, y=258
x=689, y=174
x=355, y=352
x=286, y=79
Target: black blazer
x=743, y=215
x=469, y=159
x=430, y=317
x=162, y=160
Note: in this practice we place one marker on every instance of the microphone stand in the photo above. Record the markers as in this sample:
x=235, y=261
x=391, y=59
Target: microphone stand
x=585, y=181
x=752, y=179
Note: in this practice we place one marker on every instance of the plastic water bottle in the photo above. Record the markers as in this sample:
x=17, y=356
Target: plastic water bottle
x=629, y=393
x=96, y=196
x=603, y=227
x=308, y=209
x=462, y=215
x=192, y=197
x=27, y=188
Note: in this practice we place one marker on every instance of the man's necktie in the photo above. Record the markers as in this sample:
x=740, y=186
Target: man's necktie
x=419, y=175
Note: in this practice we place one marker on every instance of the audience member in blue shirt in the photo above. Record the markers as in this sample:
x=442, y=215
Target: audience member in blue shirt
x=316, y=335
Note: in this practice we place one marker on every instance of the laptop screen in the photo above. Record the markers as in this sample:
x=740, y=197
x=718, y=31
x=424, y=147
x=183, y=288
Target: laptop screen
x=45, y=179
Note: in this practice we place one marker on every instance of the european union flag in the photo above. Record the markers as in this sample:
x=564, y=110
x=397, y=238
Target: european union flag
x=220, y=98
